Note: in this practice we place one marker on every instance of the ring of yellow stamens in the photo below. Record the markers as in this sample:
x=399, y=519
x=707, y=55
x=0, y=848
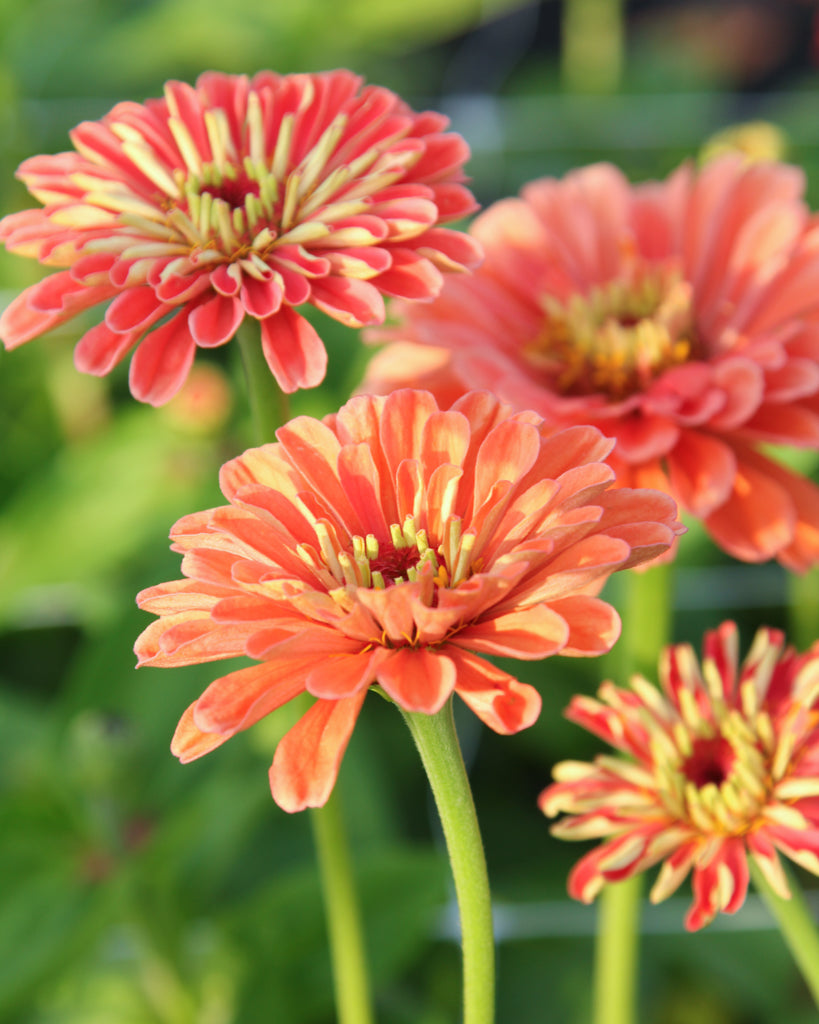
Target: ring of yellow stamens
x=617, y=337
x=280, y=205
x=729, y=805
x=366, y=562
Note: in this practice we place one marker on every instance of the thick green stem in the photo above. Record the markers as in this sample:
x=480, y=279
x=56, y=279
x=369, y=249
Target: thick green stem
x=269, y=407
x=616, y=952
x=350, y=976
x=437, y=743
x=796, y=924
x=647, y=613
x=268, y=403
x=591, y=52
x=803, y=608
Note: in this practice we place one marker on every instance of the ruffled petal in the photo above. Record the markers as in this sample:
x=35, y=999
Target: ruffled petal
x=306, y=763
x=294, y=352
x=418, y=680
x=162, y=361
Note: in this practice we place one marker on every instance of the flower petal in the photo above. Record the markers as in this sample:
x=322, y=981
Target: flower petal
x=307, y=760
x=294, y=352
x=418, y=680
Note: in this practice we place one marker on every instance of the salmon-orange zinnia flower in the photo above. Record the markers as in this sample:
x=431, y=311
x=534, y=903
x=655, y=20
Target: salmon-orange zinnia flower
x=394, y=543
x=721, y=765
x=238, y=197
x=680, y=317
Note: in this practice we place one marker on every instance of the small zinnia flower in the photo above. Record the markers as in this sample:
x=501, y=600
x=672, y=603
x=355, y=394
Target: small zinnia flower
x=722, y=765
x=238, y=197
x=394, y=543
x=680, y=317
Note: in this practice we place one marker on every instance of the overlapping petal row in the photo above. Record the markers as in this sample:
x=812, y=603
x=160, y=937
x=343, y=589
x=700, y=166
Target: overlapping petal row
x=238, y=198
x=395, y=543
x=681, y=317
x=720, y=765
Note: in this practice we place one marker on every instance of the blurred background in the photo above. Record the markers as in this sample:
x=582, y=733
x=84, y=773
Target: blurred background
x=136, y=891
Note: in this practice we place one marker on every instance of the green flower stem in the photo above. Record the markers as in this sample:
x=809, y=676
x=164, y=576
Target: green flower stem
x=437, y=743
x=616, y=952
x=269, y=407
x=803, y=608
x=350, y=975
x=796, y=924
x=592, y=46
x=646, y=617
x=268, y=403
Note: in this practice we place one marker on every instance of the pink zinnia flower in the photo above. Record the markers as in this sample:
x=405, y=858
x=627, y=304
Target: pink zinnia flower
x=680, y=317
x=721, y=765
x=395, y=544
x=238, y=197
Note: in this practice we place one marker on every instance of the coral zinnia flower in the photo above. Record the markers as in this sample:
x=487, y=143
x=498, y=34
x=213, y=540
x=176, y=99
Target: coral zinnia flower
x=395, y=544
x=724, y=764
x=680, y=317
x=238, y=198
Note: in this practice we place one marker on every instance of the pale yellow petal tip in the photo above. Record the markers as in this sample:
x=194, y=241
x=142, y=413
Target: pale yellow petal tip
x=753, y=140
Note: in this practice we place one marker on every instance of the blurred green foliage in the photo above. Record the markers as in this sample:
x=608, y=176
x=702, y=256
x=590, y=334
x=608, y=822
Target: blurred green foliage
x=136, y=891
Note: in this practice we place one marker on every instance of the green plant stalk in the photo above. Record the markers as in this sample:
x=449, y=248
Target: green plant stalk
x=592, y=45
x=616, y=952
x=796, y=924
x=268, y=403
x=437, y=743
x=269, y=408
x=803, y=608
x=646, y=617
x=350, y=974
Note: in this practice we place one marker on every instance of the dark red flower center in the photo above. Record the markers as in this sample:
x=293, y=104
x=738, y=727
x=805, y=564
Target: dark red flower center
x=710, y=760
x=233, y=191
x=394, y=563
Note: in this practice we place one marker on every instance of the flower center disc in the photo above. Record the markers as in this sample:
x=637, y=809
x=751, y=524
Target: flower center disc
x=233, y=191
x=394, y=564
x=617, y=337
x=710, y=760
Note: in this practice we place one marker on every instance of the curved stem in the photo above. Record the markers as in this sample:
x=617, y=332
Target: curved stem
x=269, y=407
x=646, y=617
x=268, y=403
x=796, y=924
x=350, y=975
x=437, y=743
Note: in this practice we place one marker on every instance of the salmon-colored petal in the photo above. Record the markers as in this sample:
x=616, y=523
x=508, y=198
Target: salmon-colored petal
x=294, y=351
x=100, y=349
x=758, y=519
x=498, y=699
x=701, y=470
x=189, y=742
x=239, y=699
x=215, y=321
x=531, y=633
x=161, y=361
x=307, y=760
x=593, y=625
x=410, y=276
x=341, y=675
x=418, y=680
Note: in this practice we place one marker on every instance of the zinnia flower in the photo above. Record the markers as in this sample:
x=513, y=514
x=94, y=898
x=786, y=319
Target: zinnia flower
x=720, y=766
x=396, y=544
x=238, y=198
x=680, y=317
